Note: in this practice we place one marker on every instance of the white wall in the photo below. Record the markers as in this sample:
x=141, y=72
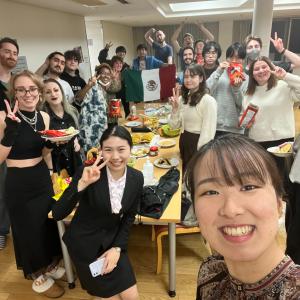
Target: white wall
x=119, y=35
x=225, y=36
x=40, y=31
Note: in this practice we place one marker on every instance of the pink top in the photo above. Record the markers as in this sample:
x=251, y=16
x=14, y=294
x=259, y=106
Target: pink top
x=116, y=191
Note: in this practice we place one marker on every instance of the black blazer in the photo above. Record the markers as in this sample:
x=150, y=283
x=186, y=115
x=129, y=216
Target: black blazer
x=94, y=228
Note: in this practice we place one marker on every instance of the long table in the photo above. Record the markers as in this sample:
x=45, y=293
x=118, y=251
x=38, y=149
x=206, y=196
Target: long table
x=171, y=216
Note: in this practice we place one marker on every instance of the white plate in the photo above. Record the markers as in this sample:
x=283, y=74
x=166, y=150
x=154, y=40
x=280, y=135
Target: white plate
x=163, y=121
x=174, y=162
x=167, y=143
x=133, y=124
x=150, y=111
x=137, y=151
x=274, y=150
x=64, y=138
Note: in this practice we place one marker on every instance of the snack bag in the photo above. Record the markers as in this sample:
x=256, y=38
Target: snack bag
x=235, y=70
x=248, y=116
x=59, y=186
x=114, y=108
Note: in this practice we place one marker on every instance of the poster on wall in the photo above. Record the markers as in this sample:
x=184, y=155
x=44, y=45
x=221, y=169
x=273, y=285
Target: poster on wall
x=79, y=50
x=21, y=65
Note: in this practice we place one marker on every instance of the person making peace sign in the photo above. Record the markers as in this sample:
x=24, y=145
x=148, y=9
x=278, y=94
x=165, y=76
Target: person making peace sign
x=108, y=193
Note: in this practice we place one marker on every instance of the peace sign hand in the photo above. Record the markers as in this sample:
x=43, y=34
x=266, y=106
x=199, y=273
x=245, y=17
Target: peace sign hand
x=174, y=100
x=277, y=42
x=279, y=72
x=92, y=173
x=12, y=123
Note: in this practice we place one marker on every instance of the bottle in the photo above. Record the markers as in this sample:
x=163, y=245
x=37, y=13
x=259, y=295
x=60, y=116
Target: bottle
x=148, y=172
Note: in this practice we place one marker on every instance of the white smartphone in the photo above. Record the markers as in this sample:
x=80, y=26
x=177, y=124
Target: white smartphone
x=96, y=267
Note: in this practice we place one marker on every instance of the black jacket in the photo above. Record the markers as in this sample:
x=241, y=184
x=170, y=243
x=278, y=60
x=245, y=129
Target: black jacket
x=94, y=228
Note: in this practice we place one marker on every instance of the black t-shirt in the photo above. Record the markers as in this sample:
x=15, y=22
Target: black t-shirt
x=3, y=96
x=208, y=72
x=76, y=82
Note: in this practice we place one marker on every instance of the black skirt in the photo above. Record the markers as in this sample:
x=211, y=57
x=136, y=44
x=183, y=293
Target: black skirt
x=120, y=279
x=28, y=195
x=188, y=146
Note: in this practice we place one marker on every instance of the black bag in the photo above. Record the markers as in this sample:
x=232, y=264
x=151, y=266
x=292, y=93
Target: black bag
x=155, y=199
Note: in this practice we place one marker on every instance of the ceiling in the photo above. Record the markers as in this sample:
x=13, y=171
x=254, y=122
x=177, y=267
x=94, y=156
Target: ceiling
x=159, y=12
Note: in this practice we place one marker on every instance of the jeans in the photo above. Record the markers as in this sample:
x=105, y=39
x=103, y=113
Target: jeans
x=4, y=218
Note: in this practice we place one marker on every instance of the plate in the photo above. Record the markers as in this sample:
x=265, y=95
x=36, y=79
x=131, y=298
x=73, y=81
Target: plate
x=167, y=143
x=163, y=121
x=139, y=151
x=64, y=138
x=133, y=124
x=163, y=162
x=275, y=151
x=150, y=111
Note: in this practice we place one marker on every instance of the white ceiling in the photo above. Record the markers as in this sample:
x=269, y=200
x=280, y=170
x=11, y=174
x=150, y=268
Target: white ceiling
x=159, y=12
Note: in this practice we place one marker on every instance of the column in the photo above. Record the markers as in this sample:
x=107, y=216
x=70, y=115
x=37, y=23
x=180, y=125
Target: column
x=262, y=22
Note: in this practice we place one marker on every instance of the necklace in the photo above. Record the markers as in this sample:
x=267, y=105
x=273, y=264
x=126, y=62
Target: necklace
x=31, y=121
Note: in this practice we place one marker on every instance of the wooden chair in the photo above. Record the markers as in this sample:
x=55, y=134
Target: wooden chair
x=158, y=231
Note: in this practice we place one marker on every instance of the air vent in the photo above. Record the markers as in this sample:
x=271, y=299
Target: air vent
x=91, y=3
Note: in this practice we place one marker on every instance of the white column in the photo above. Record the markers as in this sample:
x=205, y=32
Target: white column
x=262, y=22
x=225, y=36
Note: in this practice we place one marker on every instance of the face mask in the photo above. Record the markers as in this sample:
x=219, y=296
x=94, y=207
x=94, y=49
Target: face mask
x=254, y=54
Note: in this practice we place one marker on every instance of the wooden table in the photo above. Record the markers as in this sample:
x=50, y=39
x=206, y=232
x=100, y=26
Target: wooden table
x=171, y=216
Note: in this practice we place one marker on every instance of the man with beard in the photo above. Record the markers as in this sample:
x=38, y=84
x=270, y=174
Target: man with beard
x=53, y=67
x=188, y=58
x=162, y=50
x=9, y=51
x=188, y=40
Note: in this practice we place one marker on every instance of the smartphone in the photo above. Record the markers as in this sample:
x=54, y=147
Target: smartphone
x=96, y=267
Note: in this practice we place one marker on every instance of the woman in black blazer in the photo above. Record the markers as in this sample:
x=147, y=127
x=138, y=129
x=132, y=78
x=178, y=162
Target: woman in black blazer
x=108, y=194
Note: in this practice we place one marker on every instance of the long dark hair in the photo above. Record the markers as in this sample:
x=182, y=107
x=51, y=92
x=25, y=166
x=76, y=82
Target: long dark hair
x=234, y=158
x=118, y=131
x=196, y=97
x=252, y=83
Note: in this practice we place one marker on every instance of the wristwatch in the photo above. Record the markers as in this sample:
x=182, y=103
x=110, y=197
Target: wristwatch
x=118, y=249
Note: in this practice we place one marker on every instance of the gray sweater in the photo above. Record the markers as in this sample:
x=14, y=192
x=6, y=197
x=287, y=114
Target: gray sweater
x=229, y=100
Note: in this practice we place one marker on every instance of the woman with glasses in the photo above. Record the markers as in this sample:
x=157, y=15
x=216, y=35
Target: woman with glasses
x=28, y=185
x=93, y=114
x=211, y=53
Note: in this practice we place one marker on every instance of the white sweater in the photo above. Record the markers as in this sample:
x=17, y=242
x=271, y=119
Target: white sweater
x=200, y=119
x=275, y=117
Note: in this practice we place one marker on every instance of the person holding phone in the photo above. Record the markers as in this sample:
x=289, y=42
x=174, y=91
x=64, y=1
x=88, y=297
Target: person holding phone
x=108, y=193
x=237, y=193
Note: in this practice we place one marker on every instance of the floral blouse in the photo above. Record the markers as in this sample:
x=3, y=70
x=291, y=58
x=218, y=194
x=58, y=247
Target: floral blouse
x=214, y=282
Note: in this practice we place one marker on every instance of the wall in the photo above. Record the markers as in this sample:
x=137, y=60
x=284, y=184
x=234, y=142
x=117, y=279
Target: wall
x=40, y=31
x=119, y=35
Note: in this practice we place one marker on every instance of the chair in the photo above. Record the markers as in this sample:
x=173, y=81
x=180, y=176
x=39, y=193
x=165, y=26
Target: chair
x=158, y=231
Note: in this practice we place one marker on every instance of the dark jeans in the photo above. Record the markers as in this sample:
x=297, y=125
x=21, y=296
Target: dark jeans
x=4, y=219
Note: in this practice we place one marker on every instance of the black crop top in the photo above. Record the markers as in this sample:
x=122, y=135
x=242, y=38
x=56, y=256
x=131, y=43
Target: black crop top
x=28, y=144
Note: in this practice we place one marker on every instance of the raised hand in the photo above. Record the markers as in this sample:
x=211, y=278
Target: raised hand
x=174, y=100
x=108, y=45
x=91, y=174
x=93, y=80
x=278, y=72
x=277, y=42
x=224, y=65
x=11, y=114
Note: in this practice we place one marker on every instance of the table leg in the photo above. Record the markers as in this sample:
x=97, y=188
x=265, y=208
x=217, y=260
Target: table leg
x=172, y=259
x=66, y=256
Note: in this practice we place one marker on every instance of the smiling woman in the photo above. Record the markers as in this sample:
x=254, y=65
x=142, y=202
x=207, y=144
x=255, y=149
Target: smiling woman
x=237, y=196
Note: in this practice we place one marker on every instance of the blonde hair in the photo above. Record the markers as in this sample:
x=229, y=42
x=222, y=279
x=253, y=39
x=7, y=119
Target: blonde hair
x=67, y=107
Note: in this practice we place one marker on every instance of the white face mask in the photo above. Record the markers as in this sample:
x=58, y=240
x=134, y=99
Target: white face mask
x=253, y=54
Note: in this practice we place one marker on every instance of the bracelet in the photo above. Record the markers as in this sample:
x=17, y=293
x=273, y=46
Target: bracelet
x=282, y=52
x=50, y=169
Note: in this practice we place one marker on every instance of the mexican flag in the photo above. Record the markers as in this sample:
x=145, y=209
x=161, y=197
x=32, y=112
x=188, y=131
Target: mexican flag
x=149, y=85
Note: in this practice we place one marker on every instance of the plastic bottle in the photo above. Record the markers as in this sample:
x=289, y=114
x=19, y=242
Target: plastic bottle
x=148, y=172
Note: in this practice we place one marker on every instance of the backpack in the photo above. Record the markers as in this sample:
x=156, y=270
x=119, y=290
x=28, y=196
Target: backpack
x=155, y=199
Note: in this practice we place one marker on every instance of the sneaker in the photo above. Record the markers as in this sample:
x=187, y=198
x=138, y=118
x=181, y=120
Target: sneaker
x=2, y=241
x=46, y=286
x=57, y=273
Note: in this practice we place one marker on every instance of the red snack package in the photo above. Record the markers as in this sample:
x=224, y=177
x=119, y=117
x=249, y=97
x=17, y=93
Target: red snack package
x=114, y=108
x=52, y=133
x=235, y=70
x=248, y=116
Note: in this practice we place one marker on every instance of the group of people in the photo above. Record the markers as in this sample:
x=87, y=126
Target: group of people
x=234, y=183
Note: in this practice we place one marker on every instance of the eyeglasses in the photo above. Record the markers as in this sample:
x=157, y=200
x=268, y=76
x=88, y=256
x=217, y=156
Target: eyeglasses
x=33, y=91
